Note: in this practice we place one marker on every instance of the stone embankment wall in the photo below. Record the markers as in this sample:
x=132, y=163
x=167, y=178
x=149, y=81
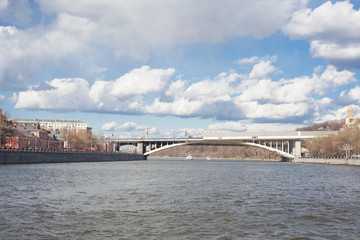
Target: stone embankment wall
x=19, y=157
x=334, y=161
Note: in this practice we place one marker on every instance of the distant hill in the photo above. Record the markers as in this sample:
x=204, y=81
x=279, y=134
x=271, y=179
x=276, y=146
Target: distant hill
x=334, y=125
x=202, y=151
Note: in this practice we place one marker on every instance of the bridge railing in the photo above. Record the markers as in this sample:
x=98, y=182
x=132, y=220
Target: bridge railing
x=153, y=139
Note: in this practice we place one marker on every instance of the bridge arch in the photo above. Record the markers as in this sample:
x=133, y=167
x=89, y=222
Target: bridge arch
x=283, y=154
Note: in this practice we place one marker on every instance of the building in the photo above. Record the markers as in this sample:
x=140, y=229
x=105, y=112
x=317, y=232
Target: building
x=55, y=125
x=29, y=137
x=350, y=120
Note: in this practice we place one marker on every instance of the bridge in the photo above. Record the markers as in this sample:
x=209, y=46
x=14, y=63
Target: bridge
x=286, y=144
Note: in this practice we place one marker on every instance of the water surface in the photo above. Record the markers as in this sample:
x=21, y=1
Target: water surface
x=173, y=199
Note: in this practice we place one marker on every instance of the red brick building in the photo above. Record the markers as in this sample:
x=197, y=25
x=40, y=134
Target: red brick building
x=31, y=138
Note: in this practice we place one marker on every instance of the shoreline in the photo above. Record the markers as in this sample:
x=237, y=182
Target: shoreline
x=326, y=161
x=329, y=161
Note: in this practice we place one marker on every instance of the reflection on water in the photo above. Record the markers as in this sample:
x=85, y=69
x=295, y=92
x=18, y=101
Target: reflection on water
x=173, y=199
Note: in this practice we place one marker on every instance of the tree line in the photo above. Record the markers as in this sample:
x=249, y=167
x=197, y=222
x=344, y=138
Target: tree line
x=234, y=152
x=345, y=144
x=83, y=140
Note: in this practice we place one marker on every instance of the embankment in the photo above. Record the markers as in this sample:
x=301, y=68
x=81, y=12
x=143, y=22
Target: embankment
x=20, y=157
x=334, y=161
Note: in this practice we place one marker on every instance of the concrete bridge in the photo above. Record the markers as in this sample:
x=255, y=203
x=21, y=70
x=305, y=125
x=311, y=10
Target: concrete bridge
x=286, y=144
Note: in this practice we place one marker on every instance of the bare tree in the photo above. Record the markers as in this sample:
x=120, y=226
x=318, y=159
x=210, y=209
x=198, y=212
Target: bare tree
x=345, y=144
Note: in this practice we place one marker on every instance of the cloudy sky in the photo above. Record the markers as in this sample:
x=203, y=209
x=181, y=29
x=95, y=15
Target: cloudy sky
x=170, y=66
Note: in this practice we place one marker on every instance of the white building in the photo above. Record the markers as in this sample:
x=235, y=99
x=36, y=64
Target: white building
x=55, y=125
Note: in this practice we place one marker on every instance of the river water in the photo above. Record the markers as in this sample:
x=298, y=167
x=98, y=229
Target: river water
x=175, y=199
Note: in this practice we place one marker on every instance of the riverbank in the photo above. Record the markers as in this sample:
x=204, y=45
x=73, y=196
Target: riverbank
x=24, y=157
x=332, y=161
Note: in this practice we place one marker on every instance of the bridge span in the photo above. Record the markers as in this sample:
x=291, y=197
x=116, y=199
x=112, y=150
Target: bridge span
x=286, y=144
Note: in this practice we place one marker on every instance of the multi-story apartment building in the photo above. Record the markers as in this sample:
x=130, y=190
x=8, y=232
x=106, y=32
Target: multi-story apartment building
x=55, y=125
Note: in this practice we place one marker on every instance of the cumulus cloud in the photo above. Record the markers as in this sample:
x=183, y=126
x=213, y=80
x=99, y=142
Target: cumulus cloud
x=135, y=130
x=350, y=96
x=128, y=126
x=141, y=81
x=333, y=30
x=298, y=89
x=228, y=96
x=23, y=52
x=228, y=126
x=84, y=30
x=338, y=113
x=251, y=60
x=262, y=70
x=16, y=12
x=66, y=94
x=132, y=27
x=2, y=99
x=272, y=127
x=120, y=95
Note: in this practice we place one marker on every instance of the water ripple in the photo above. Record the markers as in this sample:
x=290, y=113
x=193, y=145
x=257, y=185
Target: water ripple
x=179, y=200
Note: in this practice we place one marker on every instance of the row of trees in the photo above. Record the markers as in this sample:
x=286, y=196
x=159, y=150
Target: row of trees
x=83, y=140
x=334, y=125
x=345, y=144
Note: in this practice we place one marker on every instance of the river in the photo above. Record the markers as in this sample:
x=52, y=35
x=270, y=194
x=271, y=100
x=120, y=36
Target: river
x=178, y=199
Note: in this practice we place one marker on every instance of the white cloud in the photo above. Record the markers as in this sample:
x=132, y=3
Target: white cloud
x=141, y=81
x=295, y=90
x=228, y=126
x=4, y=4
x=256, y=110
x=66, y=94
x=128, y=126
x=2, y=99
x=112, y=96
x=331, y=78
x=252, y=60
x=350, y=96
x=110, y=126
x=228, y=96
x=272, y=127
x=131, y=28
x=23, y=52
x=338, y=113
x=15, y=12
x=262, y=70
x=218, y=89
x=135, y=130
x=333, y=30
x=78, y=32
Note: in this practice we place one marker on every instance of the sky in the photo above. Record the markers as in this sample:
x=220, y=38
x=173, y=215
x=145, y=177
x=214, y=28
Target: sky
x=170, y=67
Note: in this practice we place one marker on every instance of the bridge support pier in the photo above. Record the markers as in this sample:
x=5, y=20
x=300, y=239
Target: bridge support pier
x=295, y=147
x=140, y=148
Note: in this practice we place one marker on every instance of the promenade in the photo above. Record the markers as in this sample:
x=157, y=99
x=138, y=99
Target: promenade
x=332, y=161
x=37, y=156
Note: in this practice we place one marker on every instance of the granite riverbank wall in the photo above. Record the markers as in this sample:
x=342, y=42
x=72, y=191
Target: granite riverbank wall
x=24, y=157
x=332, y=161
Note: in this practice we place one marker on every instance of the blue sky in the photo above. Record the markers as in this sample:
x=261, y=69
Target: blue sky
x=167, y=67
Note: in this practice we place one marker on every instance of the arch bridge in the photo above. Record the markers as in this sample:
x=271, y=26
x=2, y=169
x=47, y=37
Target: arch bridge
x=286, y=144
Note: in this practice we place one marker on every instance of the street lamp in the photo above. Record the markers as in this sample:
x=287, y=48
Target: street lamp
x=347, y=148
x=90, y=142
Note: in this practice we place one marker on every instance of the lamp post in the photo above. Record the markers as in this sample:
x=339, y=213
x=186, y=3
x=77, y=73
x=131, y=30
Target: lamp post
x=90, y=142
x=347, y=148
